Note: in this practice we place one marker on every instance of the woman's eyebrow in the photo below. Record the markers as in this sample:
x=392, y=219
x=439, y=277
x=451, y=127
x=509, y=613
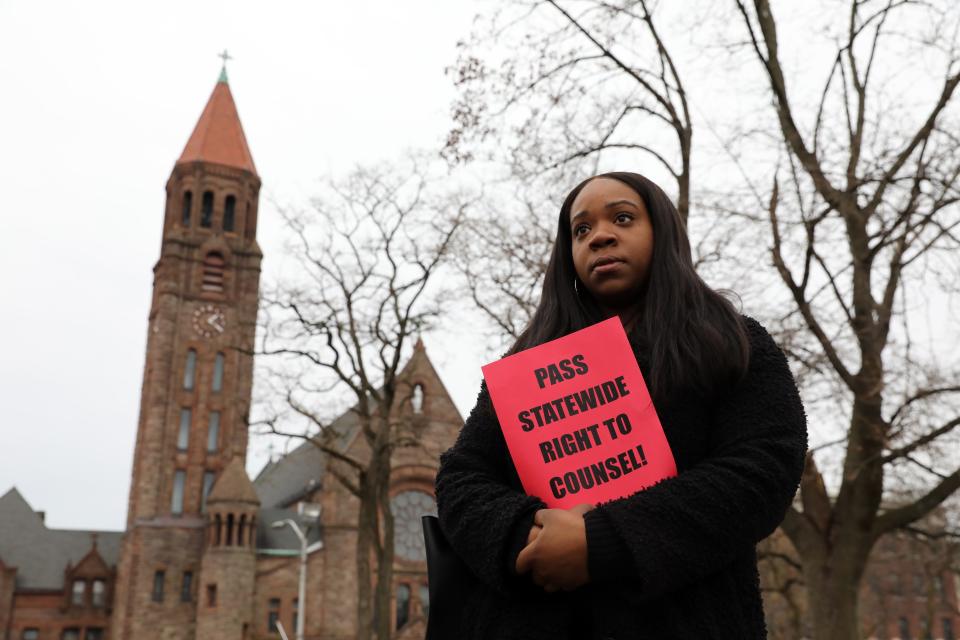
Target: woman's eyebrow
x=617, y=203
x=609, y=205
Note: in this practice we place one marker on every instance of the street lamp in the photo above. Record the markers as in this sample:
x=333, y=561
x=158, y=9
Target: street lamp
x=308, y=514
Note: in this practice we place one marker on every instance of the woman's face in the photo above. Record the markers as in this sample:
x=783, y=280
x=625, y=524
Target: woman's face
x=612, y=242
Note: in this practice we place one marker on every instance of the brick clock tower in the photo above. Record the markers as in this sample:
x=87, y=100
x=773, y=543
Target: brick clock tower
x=187, y=563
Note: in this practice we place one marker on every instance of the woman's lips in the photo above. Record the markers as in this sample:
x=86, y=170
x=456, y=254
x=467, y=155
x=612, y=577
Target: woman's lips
x=608, y=267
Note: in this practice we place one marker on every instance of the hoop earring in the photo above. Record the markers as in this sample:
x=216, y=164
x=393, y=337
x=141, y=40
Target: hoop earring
x=575, y=287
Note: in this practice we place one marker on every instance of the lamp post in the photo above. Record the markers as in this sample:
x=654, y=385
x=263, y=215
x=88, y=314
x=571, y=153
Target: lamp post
x=308, y=515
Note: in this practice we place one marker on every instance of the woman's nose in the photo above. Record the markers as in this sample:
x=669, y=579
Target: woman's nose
x=602, y=238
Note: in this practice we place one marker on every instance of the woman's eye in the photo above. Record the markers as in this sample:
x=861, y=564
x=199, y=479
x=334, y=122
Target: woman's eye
x=576, y=229
x=624, y=215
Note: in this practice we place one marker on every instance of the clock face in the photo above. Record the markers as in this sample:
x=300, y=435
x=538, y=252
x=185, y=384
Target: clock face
x=407, y=508
x=209, y=321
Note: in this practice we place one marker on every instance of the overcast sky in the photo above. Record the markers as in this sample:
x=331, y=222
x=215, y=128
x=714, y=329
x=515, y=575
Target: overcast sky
x=99, y=99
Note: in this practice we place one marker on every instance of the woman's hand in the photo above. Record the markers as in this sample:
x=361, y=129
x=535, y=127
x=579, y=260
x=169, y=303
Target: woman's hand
x=556, y=550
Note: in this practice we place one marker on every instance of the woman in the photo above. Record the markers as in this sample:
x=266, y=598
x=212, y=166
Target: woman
x=678, y=559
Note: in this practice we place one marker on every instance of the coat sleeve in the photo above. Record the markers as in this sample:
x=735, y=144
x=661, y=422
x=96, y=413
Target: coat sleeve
x=689, y=526
x=482, y=508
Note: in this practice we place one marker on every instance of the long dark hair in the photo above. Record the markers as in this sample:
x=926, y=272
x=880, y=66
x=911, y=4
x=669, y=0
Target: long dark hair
x=691, y=335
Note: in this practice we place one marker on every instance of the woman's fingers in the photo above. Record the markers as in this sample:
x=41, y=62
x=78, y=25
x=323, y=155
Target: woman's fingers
x=534, y=532
x=582, y=508
x=539, y=516
x=525, y=559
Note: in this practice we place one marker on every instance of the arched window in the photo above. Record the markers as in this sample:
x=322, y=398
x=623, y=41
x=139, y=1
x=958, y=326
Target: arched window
x=403, y=604
x=218, y=373
x=407, y=508
x=213, y=267
x=252, y=538
x=417, y=400
x=241, y=530
x=229, y=541
x=190, y=370
x=187, y=205
x=229, y=213
x=206, y=210
x=218, y=531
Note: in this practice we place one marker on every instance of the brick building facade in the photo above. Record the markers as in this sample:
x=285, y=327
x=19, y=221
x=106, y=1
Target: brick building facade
x=199, y=558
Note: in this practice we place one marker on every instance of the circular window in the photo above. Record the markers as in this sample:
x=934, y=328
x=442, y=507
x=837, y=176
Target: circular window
x=407, y=508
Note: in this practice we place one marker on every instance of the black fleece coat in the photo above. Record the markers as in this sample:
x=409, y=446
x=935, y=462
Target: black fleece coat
x=675, y=561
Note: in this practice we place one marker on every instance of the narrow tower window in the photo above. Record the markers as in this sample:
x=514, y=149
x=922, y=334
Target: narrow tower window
x=186, y=587
x=206, y=210
x=229, y=541
x=218, y=373
x=158, y=580
x=176, y=500
x=229, y=213
x=183, y=436
x=213, y=266
x=187, y=205
x=208, y=478
x=190, y=370
x=213, y=432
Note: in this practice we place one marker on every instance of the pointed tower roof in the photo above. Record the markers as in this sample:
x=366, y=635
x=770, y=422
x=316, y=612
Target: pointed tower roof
x=233, y=485
x=218, y=136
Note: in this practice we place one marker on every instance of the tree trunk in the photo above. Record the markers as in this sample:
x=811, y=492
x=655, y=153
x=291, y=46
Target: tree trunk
x=365, y=550
x=833, y=585
x=384, y=587
x=833, y=608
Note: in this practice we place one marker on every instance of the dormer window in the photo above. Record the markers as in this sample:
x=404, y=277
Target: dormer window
x=213, y=267
x=206, y=210
x=229, y=213
x=186, y=207
x=79, y=593
x=99, y=593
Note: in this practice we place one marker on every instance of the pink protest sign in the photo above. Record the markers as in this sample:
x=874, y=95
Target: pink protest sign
x=578, y=419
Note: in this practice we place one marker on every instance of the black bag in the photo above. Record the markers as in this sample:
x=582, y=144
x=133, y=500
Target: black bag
x=450, y=583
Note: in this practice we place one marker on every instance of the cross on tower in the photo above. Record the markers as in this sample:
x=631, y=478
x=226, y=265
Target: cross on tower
x=223, y=71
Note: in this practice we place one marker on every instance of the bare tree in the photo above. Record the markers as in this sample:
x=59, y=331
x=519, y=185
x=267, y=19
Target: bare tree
x=502, y=255
x=363, y=285
x=870, y=202
x=848, y=196
x=521, y=101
